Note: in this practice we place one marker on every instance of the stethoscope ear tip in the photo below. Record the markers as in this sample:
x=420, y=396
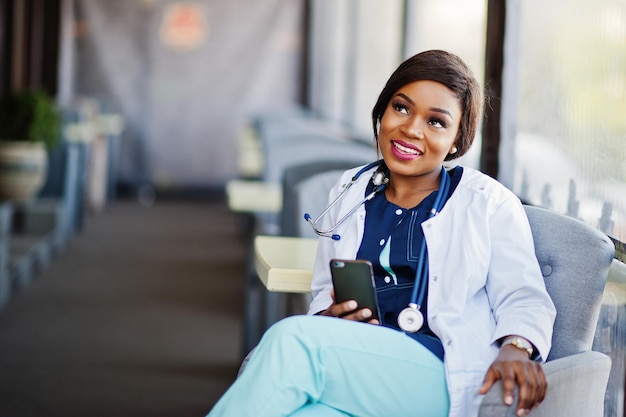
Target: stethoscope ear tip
x=307, y=216
x=335, y=237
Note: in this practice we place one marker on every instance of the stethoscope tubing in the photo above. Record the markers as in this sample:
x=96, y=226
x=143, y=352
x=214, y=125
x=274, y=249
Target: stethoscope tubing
x=421, y=274
x=329, y=232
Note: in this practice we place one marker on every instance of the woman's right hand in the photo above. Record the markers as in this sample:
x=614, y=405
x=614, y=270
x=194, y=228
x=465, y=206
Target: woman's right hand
x=347, y=310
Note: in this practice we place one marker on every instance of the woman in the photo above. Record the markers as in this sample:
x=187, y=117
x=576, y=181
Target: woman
x=476, y=284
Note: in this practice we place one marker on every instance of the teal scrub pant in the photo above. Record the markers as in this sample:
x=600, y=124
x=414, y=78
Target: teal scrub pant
x=313, y=366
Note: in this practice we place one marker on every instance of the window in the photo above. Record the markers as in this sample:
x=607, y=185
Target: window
x=570, y=146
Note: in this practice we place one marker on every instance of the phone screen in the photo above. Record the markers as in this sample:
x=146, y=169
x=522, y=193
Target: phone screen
x=354, y=280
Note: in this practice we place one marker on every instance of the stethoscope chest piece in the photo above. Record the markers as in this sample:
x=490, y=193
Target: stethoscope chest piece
x=410, y=319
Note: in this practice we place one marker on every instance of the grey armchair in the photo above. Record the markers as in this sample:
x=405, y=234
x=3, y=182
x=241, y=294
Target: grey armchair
x=575, y=259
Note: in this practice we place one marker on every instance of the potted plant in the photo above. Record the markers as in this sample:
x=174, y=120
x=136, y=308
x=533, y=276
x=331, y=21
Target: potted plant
x=30, y=126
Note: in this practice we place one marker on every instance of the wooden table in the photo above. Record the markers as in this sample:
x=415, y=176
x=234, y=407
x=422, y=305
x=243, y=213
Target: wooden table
x=285, y=264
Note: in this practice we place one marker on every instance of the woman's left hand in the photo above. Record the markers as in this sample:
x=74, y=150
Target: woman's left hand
x=513, y=367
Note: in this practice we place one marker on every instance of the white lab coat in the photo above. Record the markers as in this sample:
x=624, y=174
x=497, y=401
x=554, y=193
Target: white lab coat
x=484, y=279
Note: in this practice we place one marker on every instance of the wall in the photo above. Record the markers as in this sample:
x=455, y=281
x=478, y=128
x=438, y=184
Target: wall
x=185, y=76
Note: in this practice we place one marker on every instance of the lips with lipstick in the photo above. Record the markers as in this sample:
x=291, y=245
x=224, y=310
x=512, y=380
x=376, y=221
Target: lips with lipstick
x=404, y=150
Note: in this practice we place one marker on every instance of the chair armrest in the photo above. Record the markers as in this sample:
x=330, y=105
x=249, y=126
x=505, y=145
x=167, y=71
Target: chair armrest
x=576, y=387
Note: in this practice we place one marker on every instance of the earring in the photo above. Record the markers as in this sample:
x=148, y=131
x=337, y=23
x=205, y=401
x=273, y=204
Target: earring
x=453, y=150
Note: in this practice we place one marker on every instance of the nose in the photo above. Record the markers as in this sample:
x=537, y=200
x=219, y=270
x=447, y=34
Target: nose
x=414, y=128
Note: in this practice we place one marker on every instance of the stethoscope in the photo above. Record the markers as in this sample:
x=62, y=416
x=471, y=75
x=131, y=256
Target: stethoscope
x=410, y=318
x=380, y=181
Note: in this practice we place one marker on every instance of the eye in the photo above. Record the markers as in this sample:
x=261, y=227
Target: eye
x=400, y=107
x=436, y=122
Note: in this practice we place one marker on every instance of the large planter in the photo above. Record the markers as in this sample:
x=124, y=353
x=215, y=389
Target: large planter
x=23, y=168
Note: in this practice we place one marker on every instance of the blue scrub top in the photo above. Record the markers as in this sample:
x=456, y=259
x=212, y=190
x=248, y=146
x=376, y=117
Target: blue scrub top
x=391, y=242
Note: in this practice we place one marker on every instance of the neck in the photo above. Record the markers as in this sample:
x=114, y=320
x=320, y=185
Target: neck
x=408, y=192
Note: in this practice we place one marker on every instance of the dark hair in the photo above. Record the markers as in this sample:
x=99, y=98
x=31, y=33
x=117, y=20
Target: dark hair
x=449, y=70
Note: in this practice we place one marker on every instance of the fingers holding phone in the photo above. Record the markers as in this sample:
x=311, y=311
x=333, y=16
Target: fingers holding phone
x=349, y=310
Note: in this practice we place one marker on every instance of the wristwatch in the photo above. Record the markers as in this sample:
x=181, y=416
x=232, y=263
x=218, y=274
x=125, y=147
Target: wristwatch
x=520, y=343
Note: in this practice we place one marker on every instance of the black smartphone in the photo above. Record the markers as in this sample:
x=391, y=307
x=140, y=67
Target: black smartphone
x=354, y=280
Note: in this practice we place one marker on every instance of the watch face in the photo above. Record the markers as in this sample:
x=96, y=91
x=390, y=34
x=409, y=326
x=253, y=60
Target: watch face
x=520, y=343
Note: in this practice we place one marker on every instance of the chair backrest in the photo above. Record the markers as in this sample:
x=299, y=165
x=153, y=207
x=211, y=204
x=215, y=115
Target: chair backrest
x=308, y=193
x=575, y=259
x=288, y=151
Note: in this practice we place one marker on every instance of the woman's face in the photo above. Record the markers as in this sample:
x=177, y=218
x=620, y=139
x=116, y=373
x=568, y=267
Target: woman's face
x=418, y=128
